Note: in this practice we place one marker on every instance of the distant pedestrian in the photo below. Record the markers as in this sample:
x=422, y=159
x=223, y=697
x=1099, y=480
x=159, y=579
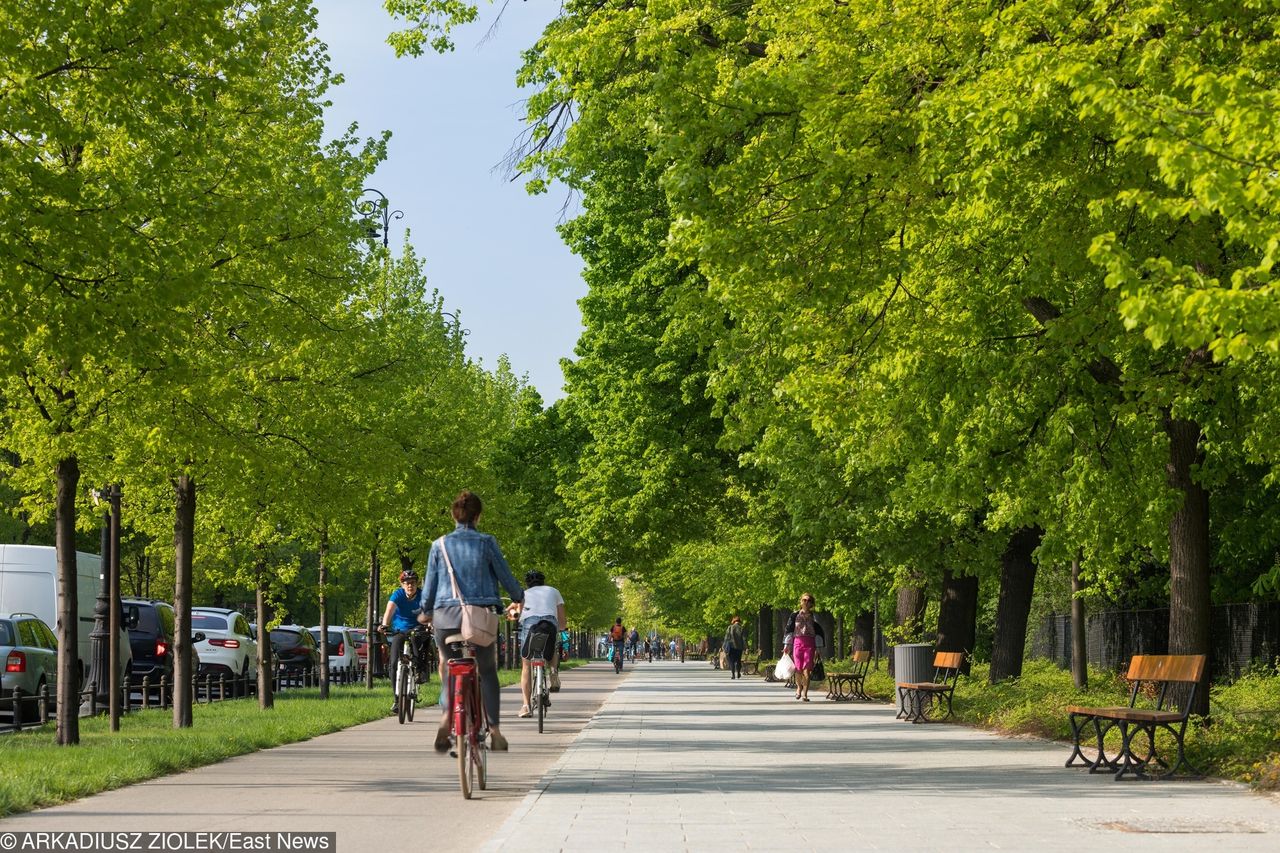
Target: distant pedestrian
x=805, y=631
x=734, y=644
x=672, y=647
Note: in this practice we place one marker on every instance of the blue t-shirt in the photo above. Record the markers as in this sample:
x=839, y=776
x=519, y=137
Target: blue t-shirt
x=407, y=609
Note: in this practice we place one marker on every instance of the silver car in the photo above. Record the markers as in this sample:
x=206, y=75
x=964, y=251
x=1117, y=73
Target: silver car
x=29, y=650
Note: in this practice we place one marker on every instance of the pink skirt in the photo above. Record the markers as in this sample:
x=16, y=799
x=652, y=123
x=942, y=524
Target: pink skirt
x=803, y=652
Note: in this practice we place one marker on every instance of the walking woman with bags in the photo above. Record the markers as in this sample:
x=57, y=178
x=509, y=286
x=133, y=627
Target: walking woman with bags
x=464, y=569
x=805, y=630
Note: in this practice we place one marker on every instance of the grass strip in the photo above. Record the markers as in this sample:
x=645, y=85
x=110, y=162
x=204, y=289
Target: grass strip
x=39, y=773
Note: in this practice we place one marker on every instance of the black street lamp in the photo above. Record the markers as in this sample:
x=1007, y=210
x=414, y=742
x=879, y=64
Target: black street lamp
x=104, y=666
x=379, y=207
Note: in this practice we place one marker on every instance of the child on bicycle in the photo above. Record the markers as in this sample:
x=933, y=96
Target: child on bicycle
x=542, y=610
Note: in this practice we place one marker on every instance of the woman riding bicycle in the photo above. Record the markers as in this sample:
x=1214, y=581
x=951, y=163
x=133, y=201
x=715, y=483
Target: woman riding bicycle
x=404, y=611
x=542, y=603
x=478, y=566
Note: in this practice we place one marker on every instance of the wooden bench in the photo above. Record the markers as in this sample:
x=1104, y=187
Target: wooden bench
x=752, y=666
x=1170, y=683
x=912, y=696
x=848, y=685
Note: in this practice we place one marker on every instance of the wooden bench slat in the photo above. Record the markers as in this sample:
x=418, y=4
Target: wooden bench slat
x=1176, y=668
x=948, y=660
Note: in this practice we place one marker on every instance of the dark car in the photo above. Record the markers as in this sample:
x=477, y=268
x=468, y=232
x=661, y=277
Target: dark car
x=295, y=650
x=150, y=624
x=29, y=650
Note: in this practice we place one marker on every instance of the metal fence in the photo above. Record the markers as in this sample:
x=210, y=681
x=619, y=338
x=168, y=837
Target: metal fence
x=18, y=710
x=1241, y=636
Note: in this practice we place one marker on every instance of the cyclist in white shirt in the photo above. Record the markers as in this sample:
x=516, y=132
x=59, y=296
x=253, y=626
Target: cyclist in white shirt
x=542, y=603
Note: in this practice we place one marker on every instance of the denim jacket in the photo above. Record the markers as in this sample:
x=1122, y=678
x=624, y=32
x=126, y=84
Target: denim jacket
x=478, y=565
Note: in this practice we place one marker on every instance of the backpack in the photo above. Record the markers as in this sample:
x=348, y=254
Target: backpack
x=616, y=632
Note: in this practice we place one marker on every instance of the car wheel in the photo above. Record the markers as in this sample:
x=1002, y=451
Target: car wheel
x=243, y=689
x=35, y=700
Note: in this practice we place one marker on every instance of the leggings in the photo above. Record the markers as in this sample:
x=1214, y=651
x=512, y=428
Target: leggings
x=735, y=660
x=486, y=665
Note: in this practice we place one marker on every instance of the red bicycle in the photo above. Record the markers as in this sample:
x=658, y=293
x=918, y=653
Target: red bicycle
x=470, y=732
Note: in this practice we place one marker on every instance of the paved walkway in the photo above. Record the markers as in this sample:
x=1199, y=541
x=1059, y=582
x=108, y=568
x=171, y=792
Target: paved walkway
x=678, y=757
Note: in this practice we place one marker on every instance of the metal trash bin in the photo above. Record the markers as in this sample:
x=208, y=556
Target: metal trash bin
x=912, y=662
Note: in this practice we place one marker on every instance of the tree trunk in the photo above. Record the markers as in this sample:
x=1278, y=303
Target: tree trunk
x=371, y=613
x=827, y=620
x=958, y=616
x=863, y=630
x=1079, y=659
x=324, y=615
x=909, y=615
x=779, y=629
x=406, y=560
x=1017, y=582
x=764, y=632
x=184, y=521
x=1189, y=595
x=68, y=480
x=266, y=696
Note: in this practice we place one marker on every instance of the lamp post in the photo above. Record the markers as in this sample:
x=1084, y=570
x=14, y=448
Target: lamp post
x=379, y=207
x=113, y=573
x=104, y=666
x=99, y=663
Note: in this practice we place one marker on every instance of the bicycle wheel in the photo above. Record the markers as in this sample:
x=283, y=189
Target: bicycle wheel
x=411, y=697
x=464, y=747
x=481, y=755
x=402, y=682
x=539, y=692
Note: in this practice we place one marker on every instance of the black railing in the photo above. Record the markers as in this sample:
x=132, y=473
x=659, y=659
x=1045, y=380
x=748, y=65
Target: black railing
x=1241, y=636
x=31, y=710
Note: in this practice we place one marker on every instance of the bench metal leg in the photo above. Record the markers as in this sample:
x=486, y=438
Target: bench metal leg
x=1078, y=722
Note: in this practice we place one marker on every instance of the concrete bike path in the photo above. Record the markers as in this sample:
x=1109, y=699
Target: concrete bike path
x=680, y=757
x=380, y=785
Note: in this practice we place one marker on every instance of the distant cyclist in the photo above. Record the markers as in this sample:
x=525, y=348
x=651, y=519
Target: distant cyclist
x=618, y=638
x=404, y=611
x=633, y=643
x=542, y=611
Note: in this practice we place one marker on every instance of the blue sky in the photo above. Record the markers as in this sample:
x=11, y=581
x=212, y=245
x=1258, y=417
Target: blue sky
x=490, y=248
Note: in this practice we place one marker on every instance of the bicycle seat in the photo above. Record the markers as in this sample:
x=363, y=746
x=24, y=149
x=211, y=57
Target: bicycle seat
x=455, y=647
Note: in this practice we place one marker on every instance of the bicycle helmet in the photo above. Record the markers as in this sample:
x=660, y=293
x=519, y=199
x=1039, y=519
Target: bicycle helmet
x=534, y=578
x=408, y=575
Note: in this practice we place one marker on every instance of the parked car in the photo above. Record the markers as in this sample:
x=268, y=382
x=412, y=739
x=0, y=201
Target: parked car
x=360, y=637
x=29, y=584
x=229, y=648
x=295, y=650
x=29, y=650
x=150, y=624
x=341, y=647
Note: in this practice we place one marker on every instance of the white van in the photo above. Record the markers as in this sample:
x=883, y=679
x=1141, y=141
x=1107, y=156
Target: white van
x=29, y=584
